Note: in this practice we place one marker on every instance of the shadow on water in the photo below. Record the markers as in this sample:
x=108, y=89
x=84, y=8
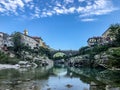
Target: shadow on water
x=59, y=78
x=98, y=79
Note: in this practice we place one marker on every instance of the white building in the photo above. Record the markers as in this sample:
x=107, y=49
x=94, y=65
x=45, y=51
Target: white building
x=39, y=40
x=5, y=39
x=28, y=40
x=9, y=42
x=1, y=39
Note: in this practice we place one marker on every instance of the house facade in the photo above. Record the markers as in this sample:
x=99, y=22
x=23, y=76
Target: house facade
x=33, y=42
x=28, y=40
x=1, y=39
x=107, y=33
x=5, y=40
x=39, y=40
x=93, y=41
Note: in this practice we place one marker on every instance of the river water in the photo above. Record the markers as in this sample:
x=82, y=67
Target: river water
x=59, y=78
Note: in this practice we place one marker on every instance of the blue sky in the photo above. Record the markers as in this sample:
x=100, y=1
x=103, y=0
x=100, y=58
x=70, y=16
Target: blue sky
x=63, y=24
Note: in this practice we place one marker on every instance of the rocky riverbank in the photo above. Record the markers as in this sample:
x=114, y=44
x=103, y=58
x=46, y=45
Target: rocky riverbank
x=8, y=66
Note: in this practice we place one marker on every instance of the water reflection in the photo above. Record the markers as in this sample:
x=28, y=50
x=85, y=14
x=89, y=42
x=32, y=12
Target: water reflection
x=99, y=79
x=59, y=78
x=59, y=71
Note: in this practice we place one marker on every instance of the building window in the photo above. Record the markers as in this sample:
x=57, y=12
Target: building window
x=37, y=45
x=27, y=44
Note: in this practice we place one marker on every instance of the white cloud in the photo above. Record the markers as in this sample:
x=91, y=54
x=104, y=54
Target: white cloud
x=27, y=1
x=89, y=2
x=11, y=5
x=2, y=9
x=58, y=4
x=49, y=13
x=31, y=6
x=80, y=9
x=92, y=8
x=81, y=0
x=45, y=8
x=99, y=7
x=37, y=12
x=68, y=1
x=64, y=10
x=71, y=10
x=88, y=19
x=45, y=14
x=58, y=10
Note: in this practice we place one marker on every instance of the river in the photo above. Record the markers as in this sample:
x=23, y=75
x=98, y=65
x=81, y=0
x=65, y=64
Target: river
x=59, y=78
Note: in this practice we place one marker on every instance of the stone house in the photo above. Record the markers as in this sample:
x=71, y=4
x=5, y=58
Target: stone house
x=28, y=40
x=5, y=40
x=101, y=40
x=33, y=42
x=39, y=40
x=95, y=41
x=106, y=34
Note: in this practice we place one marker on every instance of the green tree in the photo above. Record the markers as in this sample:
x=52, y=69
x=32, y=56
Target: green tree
x=114, y=59
x=44, y=51
x=115, y=34
x=16, y=37
x=5, y=59
x=84, y=50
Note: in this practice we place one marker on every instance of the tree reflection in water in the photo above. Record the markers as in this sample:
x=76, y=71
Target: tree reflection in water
x=99, y=79
x=59, y=78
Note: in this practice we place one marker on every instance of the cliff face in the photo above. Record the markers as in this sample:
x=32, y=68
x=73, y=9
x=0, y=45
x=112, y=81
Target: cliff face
x=110, y=58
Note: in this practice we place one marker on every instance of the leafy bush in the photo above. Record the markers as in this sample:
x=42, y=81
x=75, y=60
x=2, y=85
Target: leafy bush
x=114, y=59
x=5, y=59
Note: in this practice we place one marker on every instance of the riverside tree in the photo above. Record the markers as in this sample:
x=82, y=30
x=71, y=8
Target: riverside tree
x=16, y=38
x=115, y=34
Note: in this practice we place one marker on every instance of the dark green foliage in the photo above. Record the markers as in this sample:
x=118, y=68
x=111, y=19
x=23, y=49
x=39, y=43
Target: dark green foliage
x=99, y=49
x=26, y=48
x=59, y=58
x=16, y=38
x=84, y=50
x=117, y=41
x=94, y=50
x=114, y=59
x=44, y=51
x=5, y=59
x=115, y=34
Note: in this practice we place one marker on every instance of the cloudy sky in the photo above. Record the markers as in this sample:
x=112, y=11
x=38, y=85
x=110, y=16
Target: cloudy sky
x=63, y=24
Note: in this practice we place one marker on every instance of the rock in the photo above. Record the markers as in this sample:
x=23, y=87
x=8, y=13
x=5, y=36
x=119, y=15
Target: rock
x=47, y=85
x=69, y=86
x=7, y=89
x=28, y=79
x=19, y=82
x=49, y=89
